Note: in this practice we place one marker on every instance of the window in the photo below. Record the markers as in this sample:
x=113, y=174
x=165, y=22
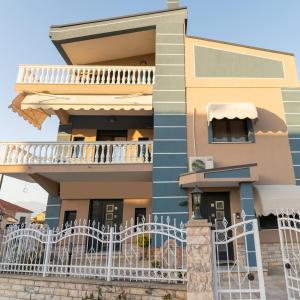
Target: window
x=70, y=217
x=231, y=131
x=268, y=222
x=22, y=220
x=140, y=213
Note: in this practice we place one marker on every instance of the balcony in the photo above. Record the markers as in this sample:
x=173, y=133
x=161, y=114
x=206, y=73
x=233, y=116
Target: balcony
x=49, y=164
x=81, y=153
x=85, y=79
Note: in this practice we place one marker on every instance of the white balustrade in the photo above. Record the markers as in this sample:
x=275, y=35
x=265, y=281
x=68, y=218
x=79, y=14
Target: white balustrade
x=49, y=74
x=53, y=153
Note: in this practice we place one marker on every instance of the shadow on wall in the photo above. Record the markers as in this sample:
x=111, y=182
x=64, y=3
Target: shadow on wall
x=269, y=122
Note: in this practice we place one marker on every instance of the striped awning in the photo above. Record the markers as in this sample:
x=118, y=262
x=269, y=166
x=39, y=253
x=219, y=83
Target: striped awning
x=36, y=117
x=50, y=103
x=231, y=111
x=272, y=198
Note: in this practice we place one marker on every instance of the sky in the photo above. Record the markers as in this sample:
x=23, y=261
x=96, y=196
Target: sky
x=24, y=31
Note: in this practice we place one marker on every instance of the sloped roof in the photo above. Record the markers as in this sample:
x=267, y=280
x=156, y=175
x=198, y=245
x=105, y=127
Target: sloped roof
x=13, y=207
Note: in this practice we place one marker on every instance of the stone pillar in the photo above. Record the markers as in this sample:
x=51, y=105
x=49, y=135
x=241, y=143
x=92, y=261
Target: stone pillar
x=199, y=261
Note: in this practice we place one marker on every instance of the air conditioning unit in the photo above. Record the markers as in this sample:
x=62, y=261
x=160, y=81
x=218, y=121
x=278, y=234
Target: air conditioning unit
x=200, y=163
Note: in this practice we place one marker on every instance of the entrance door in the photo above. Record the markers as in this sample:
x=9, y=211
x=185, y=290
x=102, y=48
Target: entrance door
x=106, y=213
x=215, y=207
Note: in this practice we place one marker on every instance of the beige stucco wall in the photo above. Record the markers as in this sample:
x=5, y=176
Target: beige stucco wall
x=105, y=190
x=149, y=59
x=274, y=167
x=135, y=134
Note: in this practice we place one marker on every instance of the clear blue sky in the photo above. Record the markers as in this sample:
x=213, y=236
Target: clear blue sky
x=24, y=26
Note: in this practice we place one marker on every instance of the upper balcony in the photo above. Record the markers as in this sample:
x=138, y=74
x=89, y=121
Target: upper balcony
x=83, y=79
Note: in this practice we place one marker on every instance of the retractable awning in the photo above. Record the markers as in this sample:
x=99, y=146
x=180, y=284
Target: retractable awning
x=35, y=108
x=36, y=117
x=270, y=198
x=231, y=111
x=51, y=103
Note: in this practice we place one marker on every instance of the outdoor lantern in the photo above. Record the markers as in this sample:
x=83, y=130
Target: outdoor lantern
x=196, y=197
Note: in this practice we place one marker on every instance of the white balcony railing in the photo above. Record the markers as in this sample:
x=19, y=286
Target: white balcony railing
x=97, y=75
x=61, y=153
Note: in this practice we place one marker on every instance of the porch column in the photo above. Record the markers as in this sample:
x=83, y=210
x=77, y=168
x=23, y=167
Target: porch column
x=199, y=261
x=247, y=205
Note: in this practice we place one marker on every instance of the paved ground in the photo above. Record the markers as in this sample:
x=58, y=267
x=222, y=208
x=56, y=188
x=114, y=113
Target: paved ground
x=275, y=285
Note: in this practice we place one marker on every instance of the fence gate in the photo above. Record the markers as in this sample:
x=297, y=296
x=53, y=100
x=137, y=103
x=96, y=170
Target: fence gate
x=238, y=272
x=289, y=233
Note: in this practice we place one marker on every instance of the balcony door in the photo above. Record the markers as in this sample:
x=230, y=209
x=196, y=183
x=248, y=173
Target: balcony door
x=111, y=135
x=105, y=152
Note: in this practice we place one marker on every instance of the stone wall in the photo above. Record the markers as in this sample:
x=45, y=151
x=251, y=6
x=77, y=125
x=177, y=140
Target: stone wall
x=54, y=288
x=271, y=254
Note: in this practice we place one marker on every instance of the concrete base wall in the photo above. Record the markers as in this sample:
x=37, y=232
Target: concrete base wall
x=31, y=287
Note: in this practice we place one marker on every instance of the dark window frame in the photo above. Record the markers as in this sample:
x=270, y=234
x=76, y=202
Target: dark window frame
x=136, y=214
x=265, y=222
x=248, y=128
x=65, y=216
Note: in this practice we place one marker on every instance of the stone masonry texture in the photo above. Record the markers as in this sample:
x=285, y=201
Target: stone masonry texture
x=53, y=288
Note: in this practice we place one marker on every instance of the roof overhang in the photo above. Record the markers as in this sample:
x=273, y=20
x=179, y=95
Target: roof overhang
x=100, y=40
x=220, y=177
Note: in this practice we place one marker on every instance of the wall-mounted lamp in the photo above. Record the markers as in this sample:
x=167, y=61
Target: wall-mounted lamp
x=196, y=197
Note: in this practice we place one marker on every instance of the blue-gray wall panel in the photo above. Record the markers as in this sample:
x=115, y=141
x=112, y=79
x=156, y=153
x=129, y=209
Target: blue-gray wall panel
x=291, y=98
x=170, y=133
x=169, y=160
x=163, y=174
x=238, y=173
x=296, y=158
x=169, y=120
x=167, y=146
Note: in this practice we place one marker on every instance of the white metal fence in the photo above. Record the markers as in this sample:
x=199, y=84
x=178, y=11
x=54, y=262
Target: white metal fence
x=149, y=251
x=75, y=153
x=289, y=234
x=238, y=272
x=48, y=74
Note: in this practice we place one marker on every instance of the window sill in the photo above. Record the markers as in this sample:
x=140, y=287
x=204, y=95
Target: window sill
x=230, y=143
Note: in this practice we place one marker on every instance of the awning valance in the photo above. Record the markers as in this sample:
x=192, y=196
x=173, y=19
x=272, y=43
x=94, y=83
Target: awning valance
x=51, y=103
x=36, y=117
x=231, y=111
x=270, y=198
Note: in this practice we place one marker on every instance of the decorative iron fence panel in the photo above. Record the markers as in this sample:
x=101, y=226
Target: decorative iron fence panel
x=237, y=264
x=149, y=251
x=289, y=234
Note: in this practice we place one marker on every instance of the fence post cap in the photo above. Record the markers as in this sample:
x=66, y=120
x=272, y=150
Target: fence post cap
x=198, y=223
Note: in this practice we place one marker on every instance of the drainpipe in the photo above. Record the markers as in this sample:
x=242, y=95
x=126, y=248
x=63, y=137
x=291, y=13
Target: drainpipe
x=172, y=4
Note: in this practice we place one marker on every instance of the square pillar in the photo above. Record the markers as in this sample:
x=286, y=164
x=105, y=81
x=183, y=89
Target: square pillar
x=247, y=205
x=199, y=261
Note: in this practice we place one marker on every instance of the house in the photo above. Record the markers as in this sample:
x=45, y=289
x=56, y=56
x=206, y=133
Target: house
x=13, y=214
x=39, y=218
x=147, y=113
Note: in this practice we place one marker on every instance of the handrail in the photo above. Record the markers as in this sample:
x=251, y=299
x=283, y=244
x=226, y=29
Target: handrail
x=82, y=74
x=57, y=153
